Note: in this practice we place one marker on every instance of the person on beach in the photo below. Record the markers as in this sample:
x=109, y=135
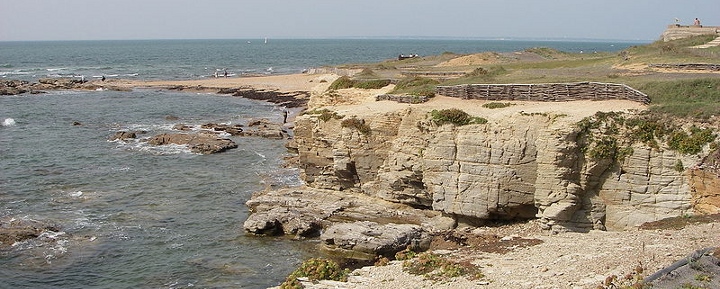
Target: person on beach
x=697, y=22
x=225, y=73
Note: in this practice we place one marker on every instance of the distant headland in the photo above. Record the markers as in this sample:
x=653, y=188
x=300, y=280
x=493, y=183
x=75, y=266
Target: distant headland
x=677, y=31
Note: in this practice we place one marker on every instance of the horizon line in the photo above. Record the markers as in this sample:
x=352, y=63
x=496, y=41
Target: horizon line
x=541, y=39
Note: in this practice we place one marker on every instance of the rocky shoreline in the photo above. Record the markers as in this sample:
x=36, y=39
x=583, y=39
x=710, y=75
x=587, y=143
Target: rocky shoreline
x=369, y=195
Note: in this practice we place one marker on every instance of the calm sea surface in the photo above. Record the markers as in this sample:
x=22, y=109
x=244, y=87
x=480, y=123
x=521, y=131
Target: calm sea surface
x=135, y=216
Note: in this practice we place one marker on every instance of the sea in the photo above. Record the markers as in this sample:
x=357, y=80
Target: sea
x=129, y=215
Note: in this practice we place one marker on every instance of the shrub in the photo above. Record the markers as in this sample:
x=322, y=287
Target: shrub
x=692, y=143
x=455, y=116
x=357, y=124
x=493, y=105
x=416, y=86
x=436, y=267
x=372, y=84
x=316, y=269
x=325, y=114
x=342, y=83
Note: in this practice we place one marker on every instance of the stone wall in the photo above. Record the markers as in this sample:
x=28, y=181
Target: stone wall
x=544, y=91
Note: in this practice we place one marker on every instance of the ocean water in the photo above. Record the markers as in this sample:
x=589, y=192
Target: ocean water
x=190, y=59
x=134, y=216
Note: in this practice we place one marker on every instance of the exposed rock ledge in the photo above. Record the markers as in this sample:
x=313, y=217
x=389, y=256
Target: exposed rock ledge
x=525, y=163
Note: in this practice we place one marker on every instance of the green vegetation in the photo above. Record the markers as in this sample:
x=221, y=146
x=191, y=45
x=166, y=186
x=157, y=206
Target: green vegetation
x=342, y=82
x=416, y=86
x=325, y=114
x=691, y=143
x=455, y=116
x=676, y=51
x=436, y=267
x=601, y=135
x=494, y=105
x=357, y=124
x=372, y=84
x=315, y=269
x=697, y=98
x=346, y=82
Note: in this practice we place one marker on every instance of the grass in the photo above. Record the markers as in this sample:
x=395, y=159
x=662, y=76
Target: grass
x=316, y=269
x=677, y=94
x=416, y=86
x=436, y=267
x=696, y=98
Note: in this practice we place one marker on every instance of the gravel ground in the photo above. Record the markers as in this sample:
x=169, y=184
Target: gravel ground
x=560, y=260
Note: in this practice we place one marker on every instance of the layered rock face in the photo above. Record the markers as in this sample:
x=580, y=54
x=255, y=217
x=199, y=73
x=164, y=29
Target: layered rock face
x=527, y=166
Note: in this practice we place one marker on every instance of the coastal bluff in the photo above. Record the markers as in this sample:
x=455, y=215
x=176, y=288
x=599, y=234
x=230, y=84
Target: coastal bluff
x=674, y=32
x=526, y=162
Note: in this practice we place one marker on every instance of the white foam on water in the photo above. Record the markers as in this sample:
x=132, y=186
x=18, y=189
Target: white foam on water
x=8, y=122
x=76, y=194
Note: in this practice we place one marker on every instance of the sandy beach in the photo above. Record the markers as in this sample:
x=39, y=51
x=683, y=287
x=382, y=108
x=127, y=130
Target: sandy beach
x=281, y=83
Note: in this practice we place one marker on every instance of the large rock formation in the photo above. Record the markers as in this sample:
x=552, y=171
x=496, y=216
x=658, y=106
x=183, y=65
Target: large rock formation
x=527, y=166
x=201, y=143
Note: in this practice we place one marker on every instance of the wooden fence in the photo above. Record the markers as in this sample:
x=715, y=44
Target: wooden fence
x=545, y=91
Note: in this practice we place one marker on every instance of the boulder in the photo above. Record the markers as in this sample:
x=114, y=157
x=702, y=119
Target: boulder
x=14, y=230
x=125, y=135
x=198, y=143
x=235, y=130
x=365, y=240
x=304, y=212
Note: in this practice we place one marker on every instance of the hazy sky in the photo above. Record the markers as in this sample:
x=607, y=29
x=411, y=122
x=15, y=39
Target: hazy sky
x=201, y=19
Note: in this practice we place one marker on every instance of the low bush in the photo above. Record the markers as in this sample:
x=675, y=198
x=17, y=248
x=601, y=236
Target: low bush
x=692, y=143
x=416, y=86
x=325, y=114
x=316, y=269
x=342, y=83
x=372, y=84
x=436, y=267
x=493, y=105
x=455, y=116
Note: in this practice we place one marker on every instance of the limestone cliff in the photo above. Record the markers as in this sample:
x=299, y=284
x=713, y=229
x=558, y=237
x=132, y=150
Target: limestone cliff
x=527, y=165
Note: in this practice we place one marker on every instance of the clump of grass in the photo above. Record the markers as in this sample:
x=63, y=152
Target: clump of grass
x=436, y=267
x=346, y=82
x=416, y=86
x=357, y=124
x=325, y=114
x=372, y=84
x=494, y=105
x=316, y=269
x=455, y=116
x=342, y=83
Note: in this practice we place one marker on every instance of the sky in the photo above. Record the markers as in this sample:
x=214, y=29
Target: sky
x=255, y=19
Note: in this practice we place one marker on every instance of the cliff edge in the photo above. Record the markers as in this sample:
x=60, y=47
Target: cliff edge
x=529, y=160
